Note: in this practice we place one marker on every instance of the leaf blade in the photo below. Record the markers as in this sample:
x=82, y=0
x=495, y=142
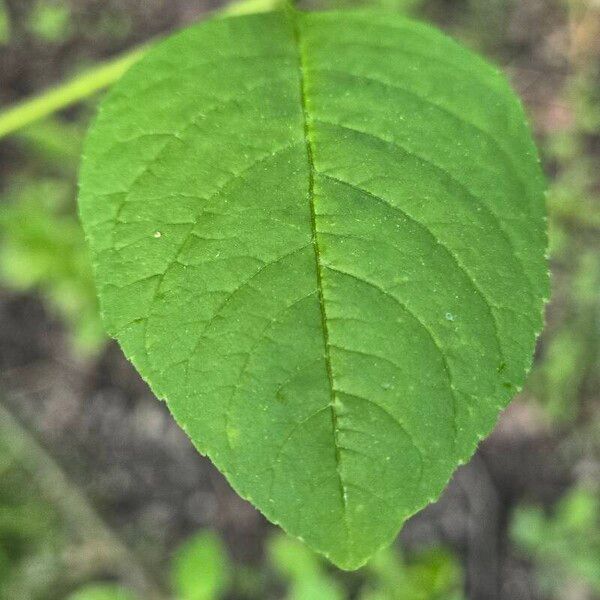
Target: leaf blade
x=314, y=259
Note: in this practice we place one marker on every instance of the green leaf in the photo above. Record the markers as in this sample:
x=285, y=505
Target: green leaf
x=50, y=21
x=431, y=575
x=4, y=24
x=304, y=571
x=201, y=569
x=320, y=237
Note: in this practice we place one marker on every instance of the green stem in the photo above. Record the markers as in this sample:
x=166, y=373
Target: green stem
x=96, y=79
x=67, y=94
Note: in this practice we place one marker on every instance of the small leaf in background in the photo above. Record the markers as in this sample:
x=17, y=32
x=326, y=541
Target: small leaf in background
x=303, y=570
x=50, y=20
x=431, y=575
x=4, y=24
x=330, y=262
x=201, y=569
x=102, y=591
x=566, y=544
x=42, y=248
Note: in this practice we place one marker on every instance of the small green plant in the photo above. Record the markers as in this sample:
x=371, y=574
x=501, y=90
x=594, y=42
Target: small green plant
x=50, y=21
x=430, y=575
x=200, y=569
x=43, y=249
x=303, y=570
x=565, y=544
x=330, y=262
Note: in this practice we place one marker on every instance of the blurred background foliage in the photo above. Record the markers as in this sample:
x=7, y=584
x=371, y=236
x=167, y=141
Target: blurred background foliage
x=56, y=541
x=566, y=545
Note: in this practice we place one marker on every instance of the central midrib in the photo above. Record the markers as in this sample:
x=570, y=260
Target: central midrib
x=318, y=266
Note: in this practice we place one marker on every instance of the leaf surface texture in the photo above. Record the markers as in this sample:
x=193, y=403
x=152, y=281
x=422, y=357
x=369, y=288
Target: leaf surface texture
x=320, y=238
